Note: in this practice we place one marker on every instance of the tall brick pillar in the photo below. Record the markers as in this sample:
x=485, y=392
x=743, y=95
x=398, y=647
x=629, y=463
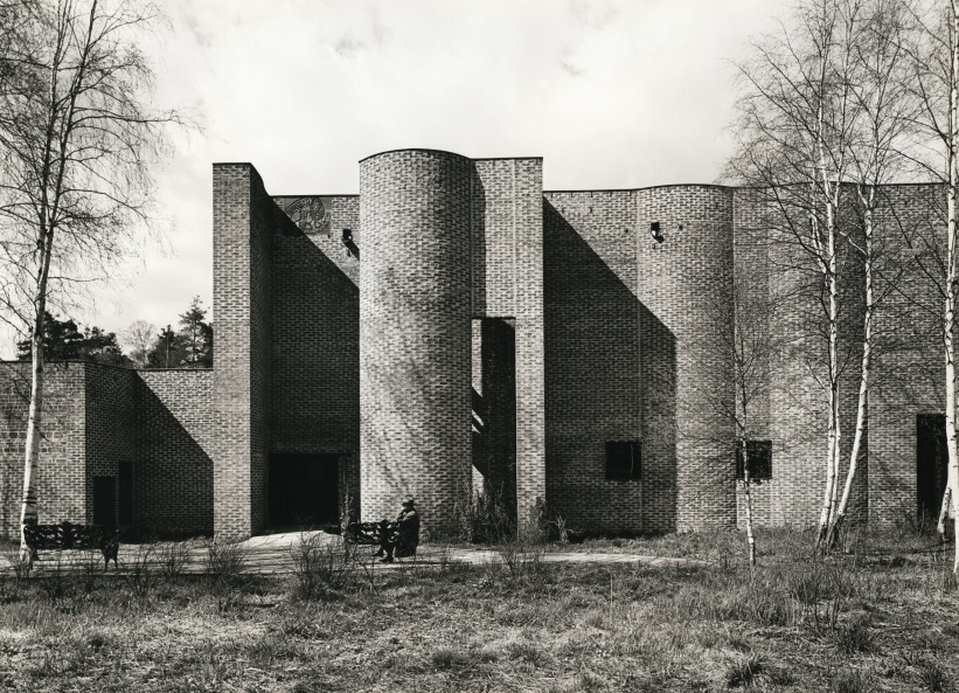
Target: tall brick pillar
x=508, y=283
x=242, y=222
x=415, y=334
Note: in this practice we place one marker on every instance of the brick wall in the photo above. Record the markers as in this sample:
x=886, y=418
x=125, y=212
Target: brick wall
x=594, y=382
x=61, y=472
x=243, y=220
x=909, y=370
x=315, y=314
x=110, y=425
x=507, y=282
x=175, y=443
x=415, y=333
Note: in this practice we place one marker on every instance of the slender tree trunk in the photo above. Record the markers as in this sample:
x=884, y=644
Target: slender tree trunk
x=29, y=507
x=951, y=493
x=835, y=431
x=835, y=528
x=748, y=502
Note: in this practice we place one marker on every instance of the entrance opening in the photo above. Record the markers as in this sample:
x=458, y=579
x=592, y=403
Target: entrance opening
x=104, y=500
x=304, y=490
x=931, y=465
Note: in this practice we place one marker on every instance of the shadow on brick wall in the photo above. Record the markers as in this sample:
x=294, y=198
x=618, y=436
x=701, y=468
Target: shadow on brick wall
x=315, y=397
x=610, y=376
x=173, y=479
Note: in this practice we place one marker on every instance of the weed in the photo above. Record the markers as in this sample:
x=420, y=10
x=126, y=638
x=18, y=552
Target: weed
x=224, y=562
x=321, y=568
x=447, y=658
x=856, y=636
x=850, y=682
x=934, y=679
x=744, y=671
x=139, y=573
x=174, y=556
x=485, y=519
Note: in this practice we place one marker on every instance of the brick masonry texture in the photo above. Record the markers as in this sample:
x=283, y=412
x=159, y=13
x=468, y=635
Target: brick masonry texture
x=176, y=437
x=553, y=321
x=415, y=334
x=507, y=282
x=314, y=392
x=243, y=217
x=62, y=471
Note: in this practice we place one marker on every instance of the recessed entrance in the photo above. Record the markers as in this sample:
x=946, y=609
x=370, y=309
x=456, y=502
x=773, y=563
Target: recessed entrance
x=304, y=490
x=932, y=461
x=104, y=501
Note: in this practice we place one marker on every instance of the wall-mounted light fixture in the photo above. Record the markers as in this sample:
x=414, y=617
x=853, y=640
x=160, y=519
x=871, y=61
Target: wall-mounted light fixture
x=351, y=249
x=656, y=232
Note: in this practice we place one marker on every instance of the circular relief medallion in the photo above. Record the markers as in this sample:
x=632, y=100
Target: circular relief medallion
x=310, y=214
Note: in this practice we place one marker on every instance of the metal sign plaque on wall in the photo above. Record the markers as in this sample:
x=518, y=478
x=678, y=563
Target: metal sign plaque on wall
x=310, y=214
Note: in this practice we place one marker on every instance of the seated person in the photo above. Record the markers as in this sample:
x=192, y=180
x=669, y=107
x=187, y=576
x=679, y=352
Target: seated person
x=406, y=537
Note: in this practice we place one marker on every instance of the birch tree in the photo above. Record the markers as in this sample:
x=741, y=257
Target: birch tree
x=883, y=116
x=935, y=86
x=77, y=137
x=795, y=121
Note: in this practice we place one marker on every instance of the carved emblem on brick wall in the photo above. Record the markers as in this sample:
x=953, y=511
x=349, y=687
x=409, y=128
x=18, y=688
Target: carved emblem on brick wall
x=310, y=214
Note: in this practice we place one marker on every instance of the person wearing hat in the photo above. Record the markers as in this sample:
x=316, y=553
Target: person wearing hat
x=406, y=537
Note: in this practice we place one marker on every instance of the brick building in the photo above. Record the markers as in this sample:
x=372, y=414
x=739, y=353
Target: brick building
x=454, y=326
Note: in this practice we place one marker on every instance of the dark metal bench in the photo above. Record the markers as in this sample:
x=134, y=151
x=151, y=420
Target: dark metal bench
x=67, y=536
x=382, y=533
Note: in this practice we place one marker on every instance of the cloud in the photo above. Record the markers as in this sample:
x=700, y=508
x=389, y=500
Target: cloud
x=612, y=93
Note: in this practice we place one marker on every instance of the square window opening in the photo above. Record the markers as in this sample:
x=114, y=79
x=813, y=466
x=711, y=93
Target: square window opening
x=623, y=460
x=760, y=454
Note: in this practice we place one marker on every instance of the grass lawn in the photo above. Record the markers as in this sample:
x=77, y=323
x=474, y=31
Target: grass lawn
x=882, y=617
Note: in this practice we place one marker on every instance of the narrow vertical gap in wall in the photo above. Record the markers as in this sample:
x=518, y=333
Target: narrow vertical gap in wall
x=498, y=408
x=931, y=466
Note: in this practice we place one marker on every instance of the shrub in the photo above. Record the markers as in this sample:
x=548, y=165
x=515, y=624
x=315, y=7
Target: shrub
x=224, y=562
x=485, y=519
x=321, y=568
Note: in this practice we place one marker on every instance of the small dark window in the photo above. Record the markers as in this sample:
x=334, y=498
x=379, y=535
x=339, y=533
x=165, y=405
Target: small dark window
x=760, y=459
x=622, y=460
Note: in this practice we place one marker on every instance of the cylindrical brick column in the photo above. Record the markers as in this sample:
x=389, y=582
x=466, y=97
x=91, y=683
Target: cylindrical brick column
x=684, y=285
x=415, y=338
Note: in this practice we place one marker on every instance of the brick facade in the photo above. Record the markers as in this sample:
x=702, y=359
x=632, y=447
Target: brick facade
x=454, y=326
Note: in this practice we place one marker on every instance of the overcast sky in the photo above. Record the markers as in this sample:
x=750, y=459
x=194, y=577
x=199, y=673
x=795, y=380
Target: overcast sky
x=613, y=94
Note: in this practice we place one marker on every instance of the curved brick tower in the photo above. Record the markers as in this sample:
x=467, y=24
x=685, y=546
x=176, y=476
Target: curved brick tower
x=683, y=283
x=415, y=333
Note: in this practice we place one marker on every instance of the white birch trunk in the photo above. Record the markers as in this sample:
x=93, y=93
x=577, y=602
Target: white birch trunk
x=835, y=432
x=953, y=148
x=836, y=527
x=29, y=513
x=748, y=503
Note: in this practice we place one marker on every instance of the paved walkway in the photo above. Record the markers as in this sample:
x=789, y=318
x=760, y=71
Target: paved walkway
x=274, y=554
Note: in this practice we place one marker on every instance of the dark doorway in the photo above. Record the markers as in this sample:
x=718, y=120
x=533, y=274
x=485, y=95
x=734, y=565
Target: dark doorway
x=931, y=465
x=304, y=490
x=104, y=500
